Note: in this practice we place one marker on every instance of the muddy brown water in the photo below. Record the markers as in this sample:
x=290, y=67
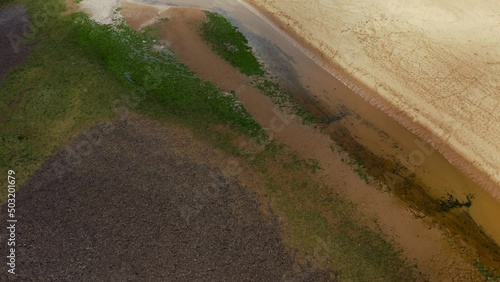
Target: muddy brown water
x=388, y=150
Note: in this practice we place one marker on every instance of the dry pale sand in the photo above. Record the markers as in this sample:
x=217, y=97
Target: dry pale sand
x=138, y=16
x=433, y=252
x=432, y=65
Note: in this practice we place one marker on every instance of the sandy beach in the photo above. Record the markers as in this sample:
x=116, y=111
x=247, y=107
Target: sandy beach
x=444, y=177
x=432, y=66
x=426, y=248
x=438, y=242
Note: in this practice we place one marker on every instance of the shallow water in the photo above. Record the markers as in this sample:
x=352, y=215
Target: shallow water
x=329, y=99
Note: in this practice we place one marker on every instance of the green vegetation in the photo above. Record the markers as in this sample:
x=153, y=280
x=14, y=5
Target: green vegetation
x=322, y=226
x=488, y=274
x=233, y=47
x=45, y=102
x=409, y=189
x=2, y=2
x=450, y=202
x=297, y=163
x=160, y=77
x=283, y=100
x=82, y=72
x=359, y=169
x=230, y=44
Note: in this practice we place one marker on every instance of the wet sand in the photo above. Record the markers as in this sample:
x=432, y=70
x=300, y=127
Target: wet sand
x=373, y=202
x=429, y=247
x=438, y=79
x=146, y=202
x=385, y=144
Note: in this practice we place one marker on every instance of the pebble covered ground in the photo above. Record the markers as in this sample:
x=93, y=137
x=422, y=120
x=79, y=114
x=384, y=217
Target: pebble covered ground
x=133, y=201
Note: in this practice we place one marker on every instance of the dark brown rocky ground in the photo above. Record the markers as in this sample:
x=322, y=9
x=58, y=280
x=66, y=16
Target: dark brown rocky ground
x=13, y=28
x=138, y=201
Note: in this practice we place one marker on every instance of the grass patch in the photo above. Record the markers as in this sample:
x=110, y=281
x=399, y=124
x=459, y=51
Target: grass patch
x=81, y=71
x=399, y=180
x=160, y=77
x=355, y=164
x=53, y=102
x=233, y=47
x=44, y=102
x=230, y=44
x=488, y=274
x=5, y=2
x=323, y=227
x=283, y=100
x=296, y=163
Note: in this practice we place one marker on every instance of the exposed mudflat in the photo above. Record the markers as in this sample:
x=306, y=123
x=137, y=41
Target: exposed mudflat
x=140, y=201
x=427, y=246
x=431, y=65
x=359, y=126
